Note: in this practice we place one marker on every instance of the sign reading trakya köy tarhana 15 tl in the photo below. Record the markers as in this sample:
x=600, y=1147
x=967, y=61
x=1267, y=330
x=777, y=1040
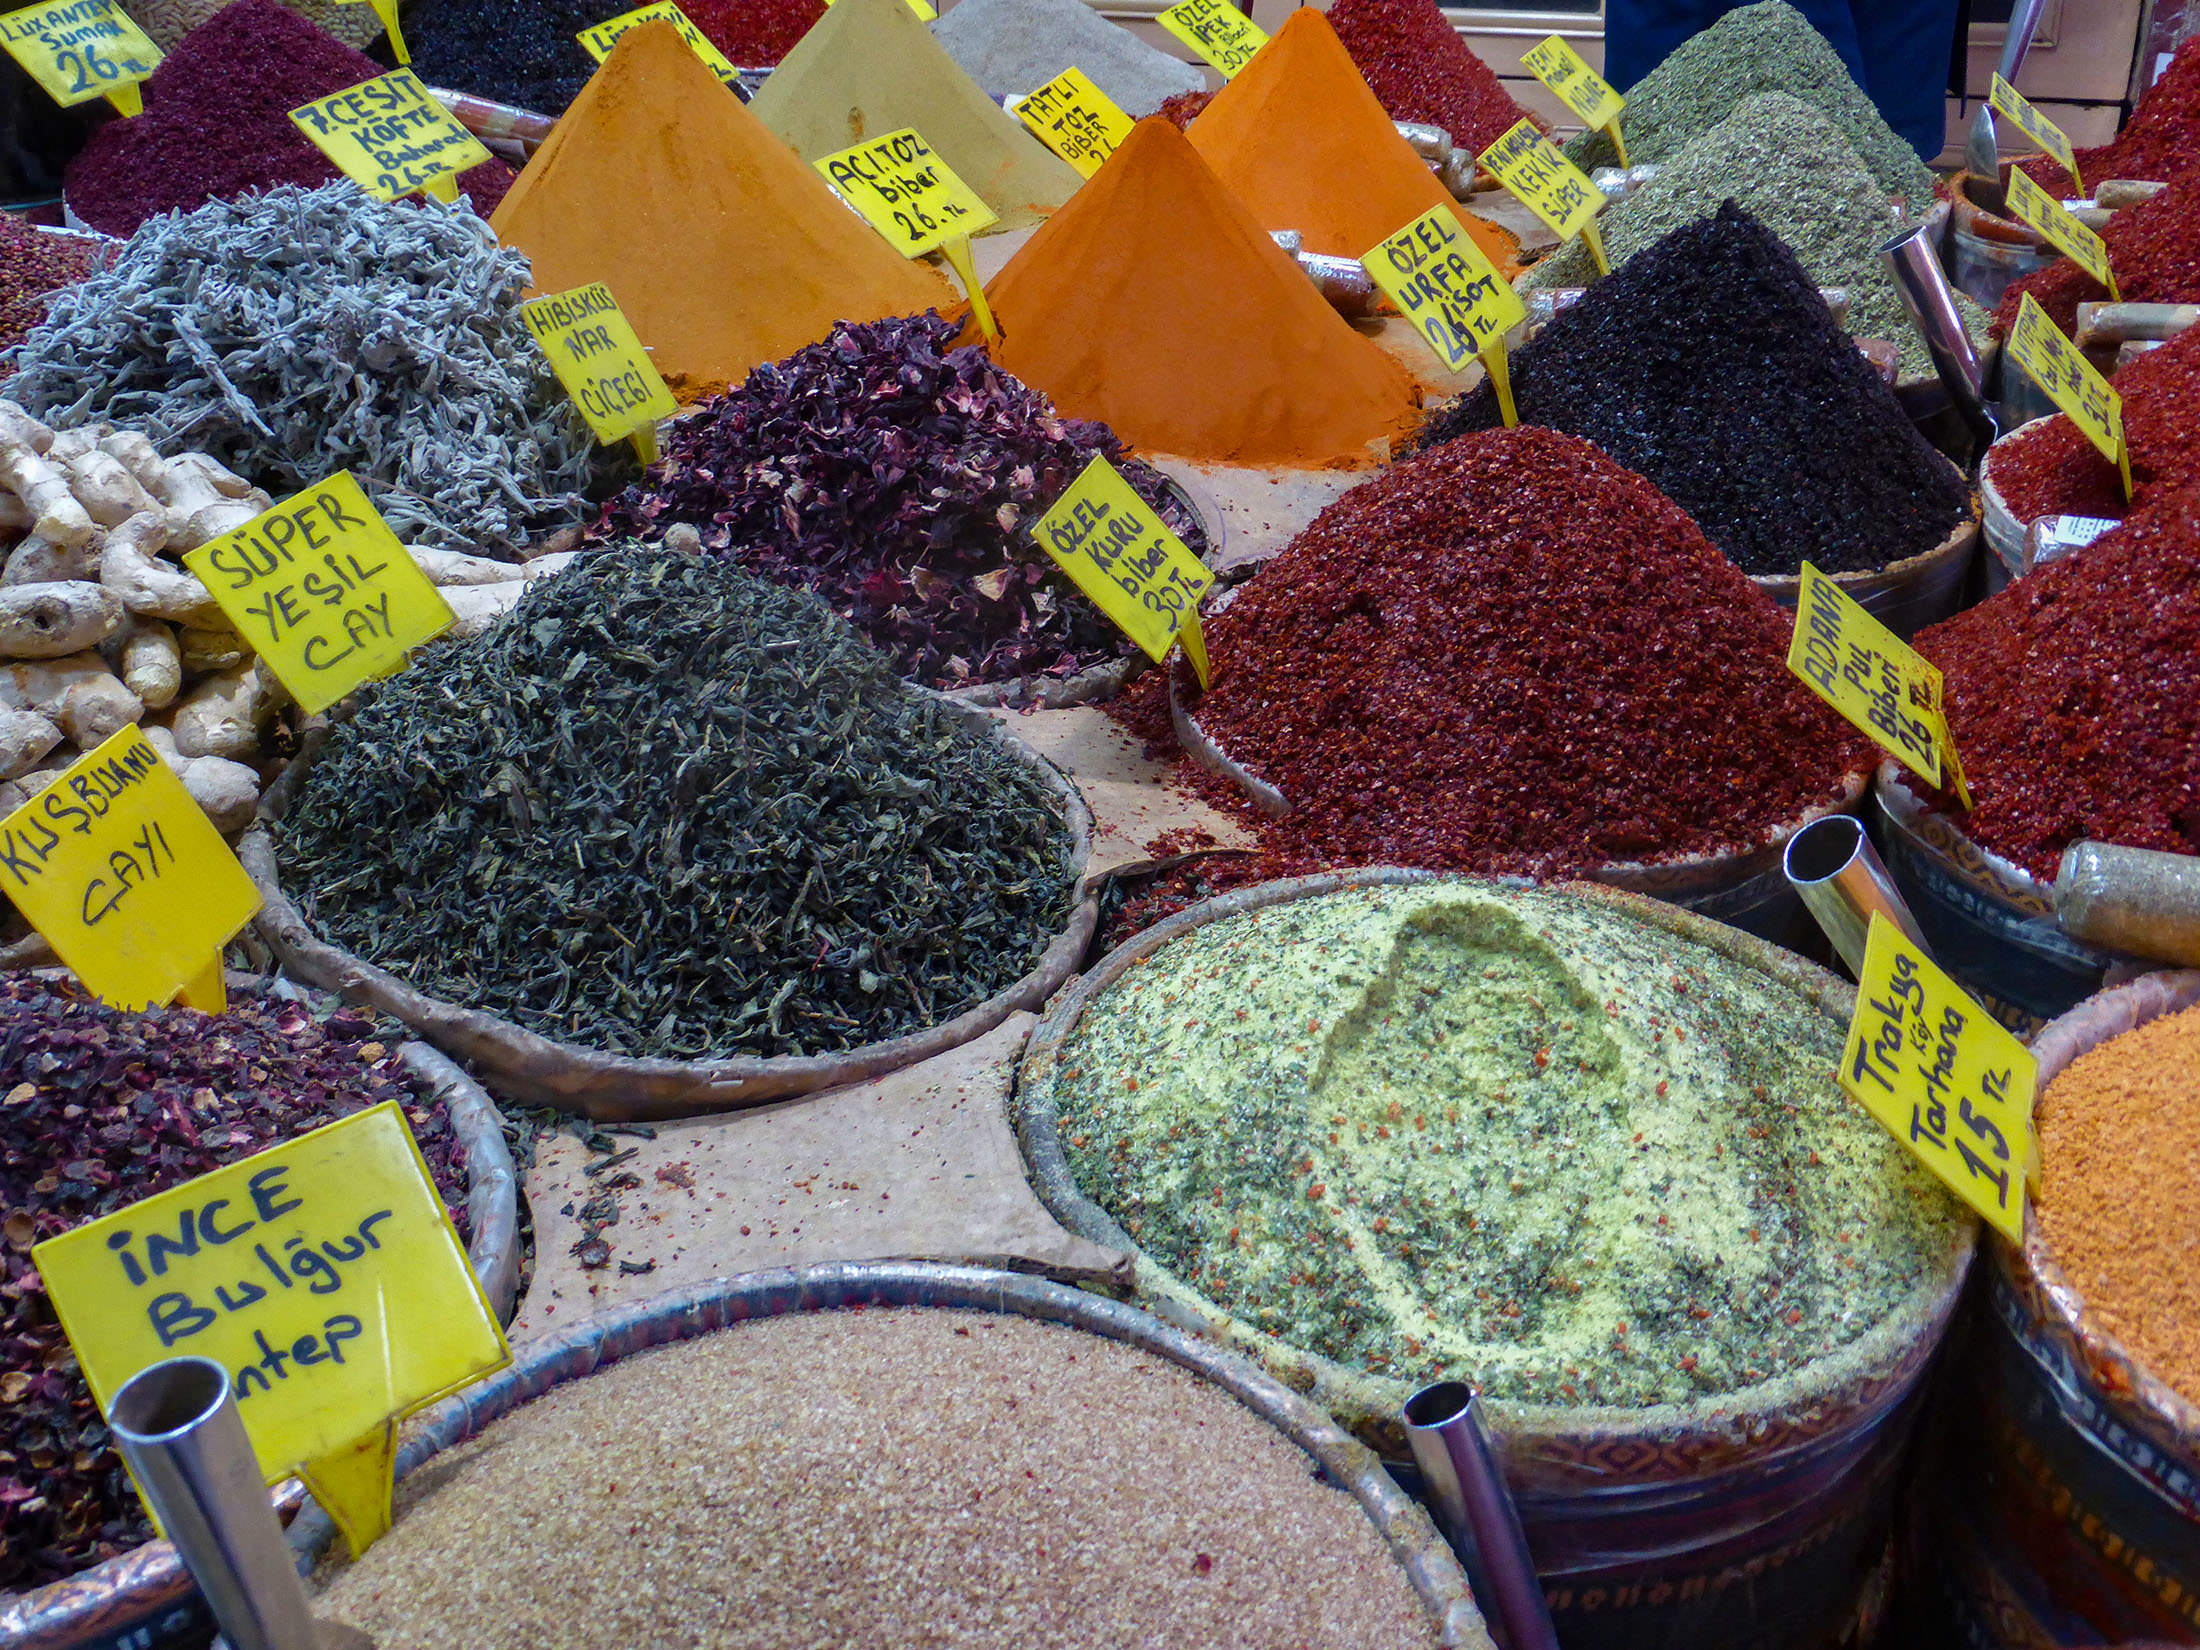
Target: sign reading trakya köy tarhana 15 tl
x=323, y=591
x=323, y=1274
x=391, y=138
x=81, y=49
x=127, y=878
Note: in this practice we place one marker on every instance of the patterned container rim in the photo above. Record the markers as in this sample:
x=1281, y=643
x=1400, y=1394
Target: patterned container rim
x=138, y=1587
x=575, y=1353
x=1549, y=1449
x=1980, y=868
x=620, y=1088
x=2140, y=1400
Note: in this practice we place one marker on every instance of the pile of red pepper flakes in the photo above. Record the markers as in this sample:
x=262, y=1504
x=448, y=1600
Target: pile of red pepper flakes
x=755, y=34
x=2159, y=140
x=2074, y=695
x=1507, y=654
x=2055, y=471
x=2154, y=248
x=1420, y=69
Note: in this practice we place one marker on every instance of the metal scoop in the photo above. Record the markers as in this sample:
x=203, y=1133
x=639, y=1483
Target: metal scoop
x=1932, y=307
x=1980, y=157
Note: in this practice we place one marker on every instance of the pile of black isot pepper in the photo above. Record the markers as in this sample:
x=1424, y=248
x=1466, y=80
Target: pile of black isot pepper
x=1709, y=364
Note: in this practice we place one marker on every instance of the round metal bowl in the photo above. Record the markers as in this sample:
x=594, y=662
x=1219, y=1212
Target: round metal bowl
x=622, y=1088
x=576, y=1353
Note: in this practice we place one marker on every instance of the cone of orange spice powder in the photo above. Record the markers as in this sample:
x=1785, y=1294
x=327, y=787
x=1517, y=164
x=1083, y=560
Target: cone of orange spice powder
x=1300, y=139
x=1154, y=303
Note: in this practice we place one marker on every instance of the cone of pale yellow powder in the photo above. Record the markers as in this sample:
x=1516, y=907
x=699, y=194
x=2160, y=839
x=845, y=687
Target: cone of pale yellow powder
x=1300, y=139
x=869, y=67
x=722, y=248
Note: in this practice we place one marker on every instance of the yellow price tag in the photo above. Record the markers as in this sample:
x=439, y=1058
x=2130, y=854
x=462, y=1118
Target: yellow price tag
x=323, y=1274
x=2052, y=219
x=1579, y=87
x=81, y=49
x=1871, y=676
x=386, y=10
x=125, y=876
x=1217, y=30
x=2060, y=368
x=923, y=10
x=391, y=138
x=1076, y=119
x=1943, y=1078
x=1548, y=184
x=906, y=192
x=599, y=38
x=323, y=591
x=1114, y=546
x=1441, y=282
x=602, y=364
x=2046, y=136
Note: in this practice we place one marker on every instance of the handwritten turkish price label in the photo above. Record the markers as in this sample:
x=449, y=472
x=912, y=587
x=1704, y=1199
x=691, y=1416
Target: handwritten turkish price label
x=2046, y=136
x=81, y=49
x=1548, y=184
x=1868, y=674
x=125, y=876
x=1942, y=1077
x=1441, y=282
x=1116, y=549
x=906, y=192
x=1578, y=86
x=323, y=1274
x=598, y=39
x=1216, y=30
x=602, y=364
x=2052, y=219
x=2060, y=368
x=1076, y=119
x=391, y=138
x=323, y=591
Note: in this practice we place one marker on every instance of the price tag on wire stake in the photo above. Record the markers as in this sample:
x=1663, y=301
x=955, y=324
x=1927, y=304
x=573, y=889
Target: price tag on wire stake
x=1076, y=119
x=906, y=192
x=2060, y=368
x=323, y=591
x=1579, y=87
x=127, y=878
x=2046, y=136
x=602, y=364
x=1441, y=282
x=598, y=39
x=391, y=138
x=323, y=1274
x=1943, y=1078
x=1117, y=550
x=81, y=49
x=1872, y=677
x=1548, y=184
x=1217, y=30
x=2054, y=220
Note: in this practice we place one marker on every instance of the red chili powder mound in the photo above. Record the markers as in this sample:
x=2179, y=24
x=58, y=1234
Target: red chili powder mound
x=1509, y=654
x=1154, y=303
x=754, y=34
x=2054, y=470
x=2161, y=138
x=2074, y=695
x=217, y=122
x=33, y=266
x=2154, y=248
x=1419, y=68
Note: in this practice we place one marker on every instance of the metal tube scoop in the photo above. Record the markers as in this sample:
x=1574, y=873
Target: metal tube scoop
x=1980, y=157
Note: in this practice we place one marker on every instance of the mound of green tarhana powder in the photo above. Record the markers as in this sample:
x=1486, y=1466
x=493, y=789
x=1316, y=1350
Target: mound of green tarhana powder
x=1768, y=47
x=1792, y=170
x=665, y=808
x=1507, y=1135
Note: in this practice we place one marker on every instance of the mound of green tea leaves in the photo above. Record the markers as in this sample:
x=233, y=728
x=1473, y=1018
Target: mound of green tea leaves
x=666, y=808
